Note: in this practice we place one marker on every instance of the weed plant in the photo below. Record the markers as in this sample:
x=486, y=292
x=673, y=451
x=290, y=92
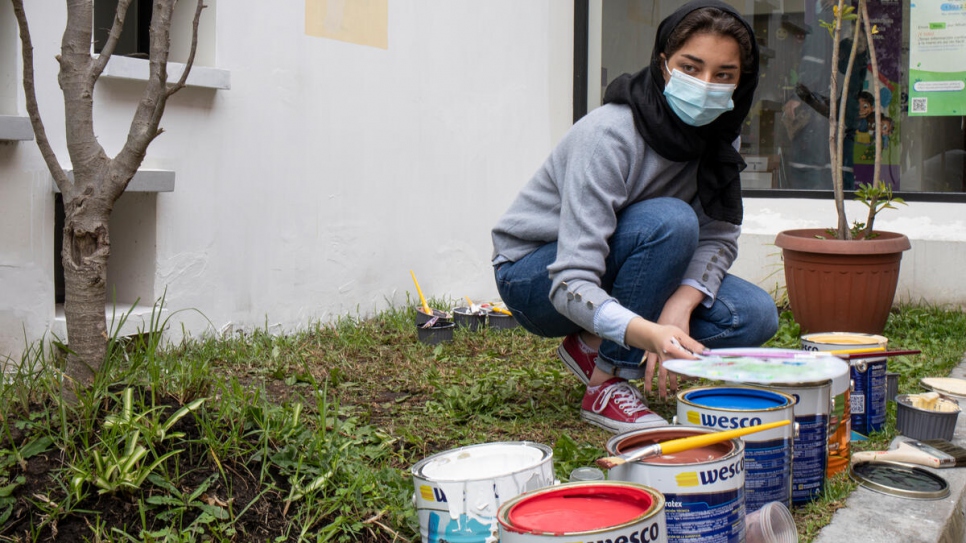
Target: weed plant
x=311, y=436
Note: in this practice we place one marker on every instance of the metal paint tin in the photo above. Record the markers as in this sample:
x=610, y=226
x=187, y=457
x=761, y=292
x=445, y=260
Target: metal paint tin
x=704, y=488
x=768, y=454
x=867, y=400
x=458, y=492
x=812, y=407
x=589, y=511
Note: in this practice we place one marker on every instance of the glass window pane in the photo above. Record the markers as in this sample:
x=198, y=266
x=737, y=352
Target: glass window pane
x=786, y=136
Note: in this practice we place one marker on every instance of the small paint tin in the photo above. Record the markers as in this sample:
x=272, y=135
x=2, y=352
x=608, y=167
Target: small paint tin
x=703, y=488
x=768, y=454
x=585, y=511
x=459, y=492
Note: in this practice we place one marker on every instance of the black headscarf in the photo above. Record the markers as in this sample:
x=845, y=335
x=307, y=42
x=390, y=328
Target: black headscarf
x=719, y=184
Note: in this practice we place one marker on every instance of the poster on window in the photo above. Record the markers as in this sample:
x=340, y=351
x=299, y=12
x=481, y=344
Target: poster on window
x=886, y=16
x=937, y=58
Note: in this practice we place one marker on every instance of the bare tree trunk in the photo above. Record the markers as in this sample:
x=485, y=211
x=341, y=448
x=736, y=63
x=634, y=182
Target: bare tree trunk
x=98, y=180
x=835, y=121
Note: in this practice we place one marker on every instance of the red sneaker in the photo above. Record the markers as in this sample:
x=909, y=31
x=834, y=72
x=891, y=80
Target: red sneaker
x=617, y=406
x=577, y=356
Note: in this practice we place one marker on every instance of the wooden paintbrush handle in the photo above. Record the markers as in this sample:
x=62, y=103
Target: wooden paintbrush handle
x=902, y=454
x=693, y=442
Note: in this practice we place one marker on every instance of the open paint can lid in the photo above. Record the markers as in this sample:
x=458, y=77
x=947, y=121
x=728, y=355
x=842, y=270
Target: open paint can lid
x=899, y=479
x=951, y=386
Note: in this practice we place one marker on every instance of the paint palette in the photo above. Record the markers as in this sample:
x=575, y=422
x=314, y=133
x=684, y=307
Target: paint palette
x=762, y=366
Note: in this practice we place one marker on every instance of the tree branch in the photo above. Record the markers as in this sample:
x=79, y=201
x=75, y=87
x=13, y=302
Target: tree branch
x=112, y=38
x=191, y=54
x=33, y=110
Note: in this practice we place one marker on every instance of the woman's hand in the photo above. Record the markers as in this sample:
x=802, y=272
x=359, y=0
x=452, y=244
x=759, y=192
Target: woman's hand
x=662, y=342
x=675, y=314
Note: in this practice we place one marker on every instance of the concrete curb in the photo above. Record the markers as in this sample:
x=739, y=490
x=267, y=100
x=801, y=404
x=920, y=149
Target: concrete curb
x=870, y=516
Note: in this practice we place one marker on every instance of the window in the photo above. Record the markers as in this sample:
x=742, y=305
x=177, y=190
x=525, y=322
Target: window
x=135, y=37
x=785, y=140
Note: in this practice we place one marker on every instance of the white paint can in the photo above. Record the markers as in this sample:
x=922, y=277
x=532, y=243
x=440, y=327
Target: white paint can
x=590, y=511
x=704, y=496
x=459, y=492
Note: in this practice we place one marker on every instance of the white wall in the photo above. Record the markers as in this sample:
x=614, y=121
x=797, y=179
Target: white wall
x=329, y=170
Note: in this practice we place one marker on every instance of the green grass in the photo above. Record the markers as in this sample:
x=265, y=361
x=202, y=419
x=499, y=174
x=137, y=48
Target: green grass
x=311, y=436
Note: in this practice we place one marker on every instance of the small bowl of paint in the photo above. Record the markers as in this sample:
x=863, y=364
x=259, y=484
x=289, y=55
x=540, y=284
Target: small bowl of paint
x=470, y=318
x=926, y=416
x=422, y=317
x=499, y=318
x=434, y=333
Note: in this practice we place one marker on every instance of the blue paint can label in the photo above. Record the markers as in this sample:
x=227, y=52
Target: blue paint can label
x=810, y=459
x=868, y=395
x=768, y=454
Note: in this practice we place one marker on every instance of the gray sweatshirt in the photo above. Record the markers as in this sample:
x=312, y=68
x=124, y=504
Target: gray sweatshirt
x=601, y=166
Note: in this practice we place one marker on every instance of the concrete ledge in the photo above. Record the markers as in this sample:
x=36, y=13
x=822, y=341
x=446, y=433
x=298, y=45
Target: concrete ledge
x=137, y=319
x=137, y=69
x=143, y=181
x=15, y=128
x=872, y=516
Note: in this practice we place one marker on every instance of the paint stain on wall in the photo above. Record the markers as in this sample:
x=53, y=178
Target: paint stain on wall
x=363, y=22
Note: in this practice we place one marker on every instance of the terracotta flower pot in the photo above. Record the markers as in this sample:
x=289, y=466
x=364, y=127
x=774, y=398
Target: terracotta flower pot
x=836, y=285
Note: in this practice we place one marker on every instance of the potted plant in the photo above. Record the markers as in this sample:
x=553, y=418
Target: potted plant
x=845, y=279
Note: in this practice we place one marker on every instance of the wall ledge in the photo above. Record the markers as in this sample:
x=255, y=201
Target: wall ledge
x=15, y=128
x=136, y=320
x=143, y=181
x=137, y=69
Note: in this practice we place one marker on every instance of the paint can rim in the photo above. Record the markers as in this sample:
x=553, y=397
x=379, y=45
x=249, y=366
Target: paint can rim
x=790, y=400
x=417, y=469
x=655, y=508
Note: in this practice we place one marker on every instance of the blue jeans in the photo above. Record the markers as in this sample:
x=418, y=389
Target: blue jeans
x=649, y=252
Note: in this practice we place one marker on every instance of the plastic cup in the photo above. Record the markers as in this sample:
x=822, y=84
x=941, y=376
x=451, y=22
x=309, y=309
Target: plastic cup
x=588, y=473
x=772, y=523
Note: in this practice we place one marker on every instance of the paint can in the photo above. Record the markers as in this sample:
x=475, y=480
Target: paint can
x=704, y=488
x=768, y=454
x=868, y=392
x=458, y=492
x=813, y=403
x=585, y=511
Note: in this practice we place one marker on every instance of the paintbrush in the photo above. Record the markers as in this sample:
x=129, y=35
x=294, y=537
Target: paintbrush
x=422, y=298
x=933, y=453
x=877, y=354
x=685, y=443
x=845, y=354
x=499, y=310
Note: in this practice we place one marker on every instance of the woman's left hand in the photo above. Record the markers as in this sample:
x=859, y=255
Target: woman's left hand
x=676, y=313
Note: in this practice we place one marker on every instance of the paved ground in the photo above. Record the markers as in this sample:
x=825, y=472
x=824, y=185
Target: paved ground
x=873, y=517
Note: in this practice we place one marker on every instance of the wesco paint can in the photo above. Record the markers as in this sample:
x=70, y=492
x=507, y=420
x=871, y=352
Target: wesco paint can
x=768, y=454
x=588, y=511
x=813, y=403
x=703, y=488
x=459, y=492
x=869, y=389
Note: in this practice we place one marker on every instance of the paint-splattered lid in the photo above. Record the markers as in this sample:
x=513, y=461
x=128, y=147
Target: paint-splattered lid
x=899, y=479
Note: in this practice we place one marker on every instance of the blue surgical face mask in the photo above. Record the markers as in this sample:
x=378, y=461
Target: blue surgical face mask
x=697, y=102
